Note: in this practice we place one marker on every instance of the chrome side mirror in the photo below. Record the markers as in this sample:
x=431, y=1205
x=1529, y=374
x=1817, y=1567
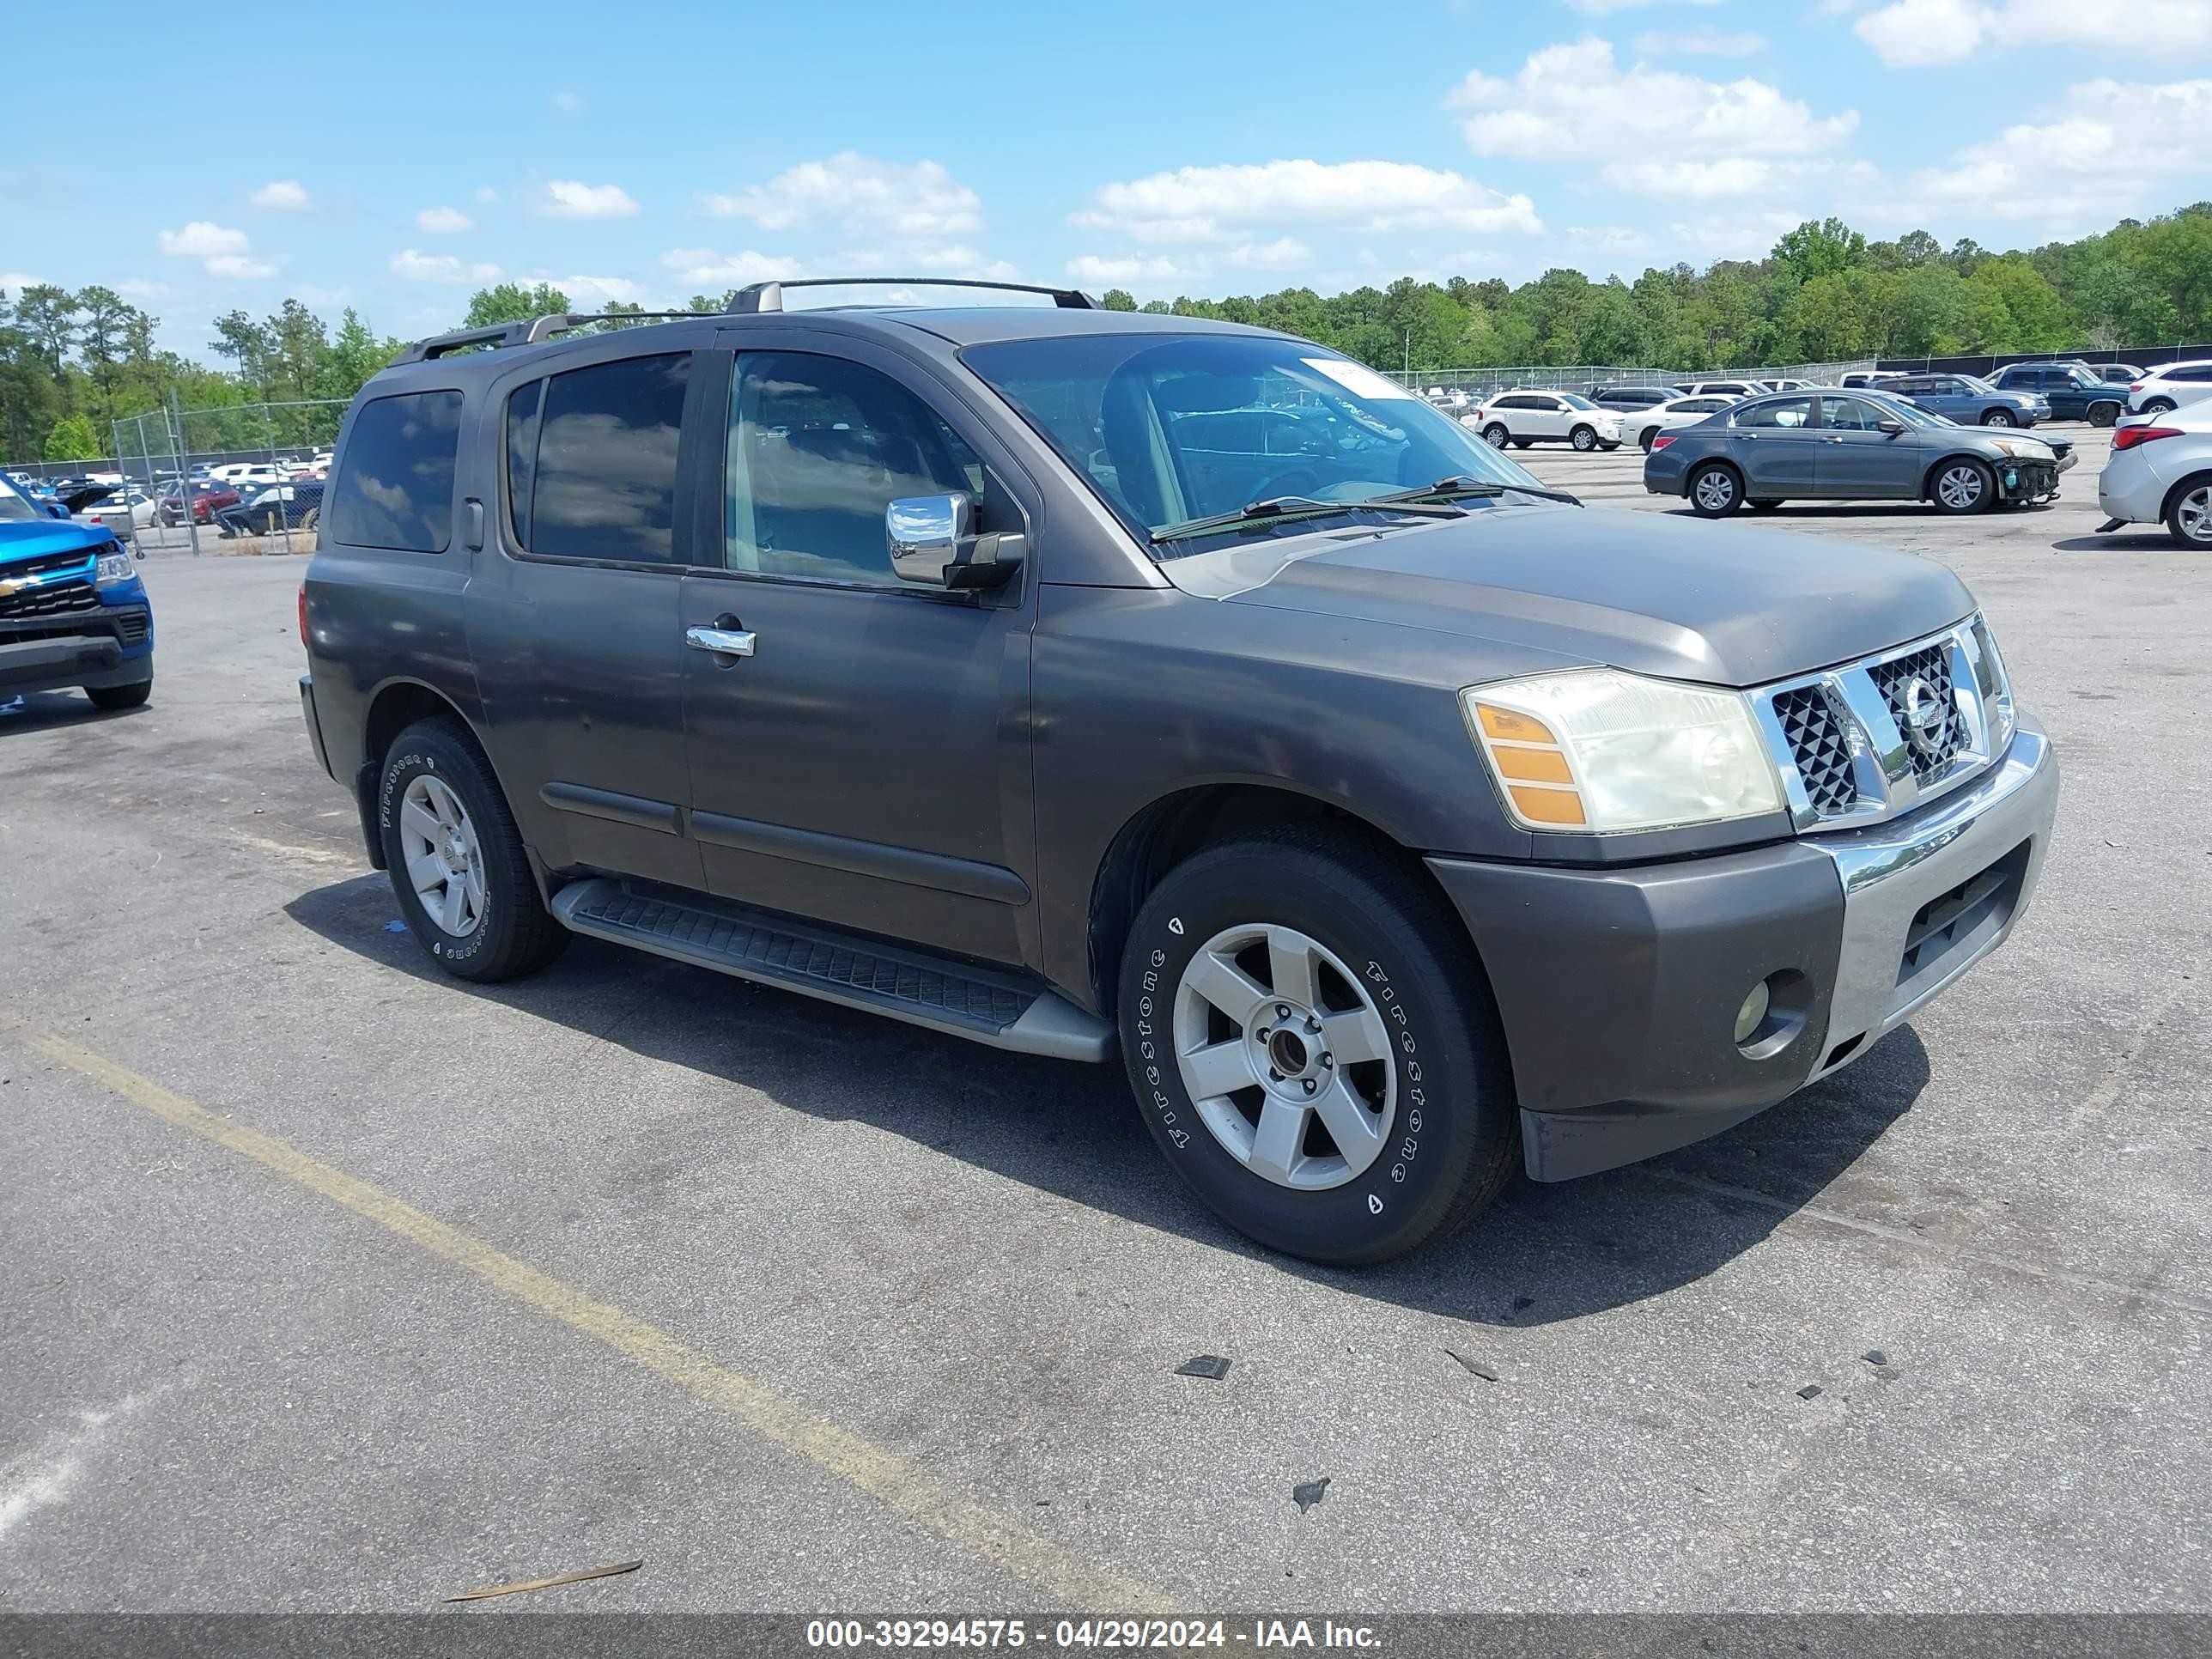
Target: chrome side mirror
x=1894, y=429
x=932, y=543
x=924, y=532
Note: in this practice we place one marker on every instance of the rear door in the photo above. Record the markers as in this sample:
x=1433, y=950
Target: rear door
x=867, y=763
x=579, y=613
x=1859, y=461
x=1776, y=446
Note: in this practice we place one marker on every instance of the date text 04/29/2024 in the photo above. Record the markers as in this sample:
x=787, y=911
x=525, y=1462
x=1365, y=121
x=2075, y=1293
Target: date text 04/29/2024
x=1087, y=1633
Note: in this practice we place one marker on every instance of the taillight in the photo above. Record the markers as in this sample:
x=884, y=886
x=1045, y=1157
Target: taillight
x=1660, y=442
x=2134, y=437
x=2135, y=385
x=303, y=613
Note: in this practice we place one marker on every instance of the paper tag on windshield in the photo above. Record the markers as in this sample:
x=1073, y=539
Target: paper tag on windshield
x=1356, y=378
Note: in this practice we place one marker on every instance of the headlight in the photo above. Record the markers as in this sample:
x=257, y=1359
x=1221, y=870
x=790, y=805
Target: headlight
x=1995, y=686
x=115, y=567
x=1597, y=748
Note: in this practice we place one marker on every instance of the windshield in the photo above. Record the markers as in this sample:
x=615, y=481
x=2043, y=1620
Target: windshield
x=1575, y=400
x=1170, y=429
x=15, y=507
x=1974, y=384
x=2082, y=377
x=1910, y=414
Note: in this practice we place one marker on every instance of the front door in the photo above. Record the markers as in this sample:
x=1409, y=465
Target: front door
x=580, y=612
x=1775, y=445
x=864, y=759
x=1857, y=460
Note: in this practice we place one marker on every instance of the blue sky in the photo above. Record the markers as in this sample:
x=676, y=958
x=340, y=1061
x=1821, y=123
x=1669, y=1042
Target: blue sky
x=395, y=156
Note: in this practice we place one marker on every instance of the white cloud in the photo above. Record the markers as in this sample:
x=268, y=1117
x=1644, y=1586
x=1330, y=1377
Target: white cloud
x=201, y=240
x=419, y=267
x=569, y=199
x=1132, y=268
x=441, y=220
x=138, y=288
x=706, y=268
x=862, y=195
x=568, y=103
x=1908, y=34
x=1605, y=7
x=280, y=193
x=1147, y=269
x=222, y=251
x=13, y=282
x=1700, y=43
x=600, y=291
x=486, y=194
x=1230, y=203
x=239, y=266
x=310, y=294
x=1574, y=102
x=2086, y=162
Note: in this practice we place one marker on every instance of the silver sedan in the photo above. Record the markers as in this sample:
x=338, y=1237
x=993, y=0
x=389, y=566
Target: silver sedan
x=2160, y=471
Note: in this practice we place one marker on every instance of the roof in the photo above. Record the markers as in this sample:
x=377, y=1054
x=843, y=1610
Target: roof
x=967, y=325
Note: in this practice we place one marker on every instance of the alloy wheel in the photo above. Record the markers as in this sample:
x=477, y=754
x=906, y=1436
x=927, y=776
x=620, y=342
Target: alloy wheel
x=1286, y=1056
x=2192, y=514
x=1716, y=490
x=445, y=863
x=1959, y=488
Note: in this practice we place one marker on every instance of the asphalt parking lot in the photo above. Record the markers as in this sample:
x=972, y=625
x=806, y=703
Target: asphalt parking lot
x=335, y=1285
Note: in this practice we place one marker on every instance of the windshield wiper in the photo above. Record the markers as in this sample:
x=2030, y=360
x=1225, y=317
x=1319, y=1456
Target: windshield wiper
x=1462, y=487
x=1277, y=509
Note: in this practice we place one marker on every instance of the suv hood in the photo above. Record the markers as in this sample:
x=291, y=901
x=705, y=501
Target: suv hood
x=38, y=537
x=1725, y=604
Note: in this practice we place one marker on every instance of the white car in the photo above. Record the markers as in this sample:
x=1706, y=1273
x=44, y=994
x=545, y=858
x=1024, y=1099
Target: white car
x=2169, y=387
x=122, y=513
x=1521, y=418
x=238, y=474
x=1723, y=389
x=1640, y=426
x=2160, y=470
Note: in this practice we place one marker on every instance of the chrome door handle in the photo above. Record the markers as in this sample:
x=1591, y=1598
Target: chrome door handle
x=722, y=641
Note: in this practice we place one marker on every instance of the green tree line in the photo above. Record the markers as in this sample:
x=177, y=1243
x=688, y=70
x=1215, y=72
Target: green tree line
x=73, y=362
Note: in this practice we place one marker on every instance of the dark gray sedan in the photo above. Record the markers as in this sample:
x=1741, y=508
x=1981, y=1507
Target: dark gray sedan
x=1848, y=446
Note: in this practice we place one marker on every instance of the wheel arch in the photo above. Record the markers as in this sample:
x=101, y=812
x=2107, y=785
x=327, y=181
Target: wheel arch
x=1177, y=827
x=2192, y=481
x=392, y=708
x=1742, y=483
x=1927, y=477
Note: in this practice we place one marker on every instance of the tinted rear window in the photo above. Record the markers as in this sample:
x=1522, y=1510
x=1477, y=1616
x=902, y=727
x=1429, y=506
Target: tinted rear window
x=605, y=477
x=396, y=488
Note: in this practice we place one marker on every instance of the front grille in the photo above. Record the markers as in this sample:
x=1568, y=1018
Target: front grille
x=1933, y=751
x=54, y=599
x=1817, y=744
x=44, y=565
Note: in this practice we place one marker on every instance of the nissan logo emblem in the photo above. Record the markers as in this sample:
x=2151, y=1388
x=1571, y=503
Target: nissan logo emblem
x=1925, y=716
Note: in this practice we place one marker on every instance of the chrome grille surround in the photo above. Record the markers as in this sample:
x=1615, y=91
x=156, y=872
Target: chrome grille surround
x=1887, y=774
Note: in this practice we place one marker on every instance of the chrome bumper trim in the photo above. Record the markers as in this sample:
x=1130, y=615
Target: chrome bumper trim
x=1889, y=871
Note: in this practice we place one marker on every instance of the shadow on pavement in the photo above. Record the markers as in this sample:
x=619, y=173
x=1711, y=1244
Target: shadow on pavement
x=43, y=711
x=1542, y=1254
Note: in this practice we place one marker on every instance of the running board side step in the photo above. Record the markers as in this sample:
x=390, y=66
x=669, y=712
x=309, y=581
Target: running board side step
x=997, y=1009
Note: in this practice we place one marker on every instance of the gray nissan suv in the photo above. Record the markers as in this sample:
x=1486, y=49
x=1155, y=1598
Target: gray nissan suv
x=1087, y=683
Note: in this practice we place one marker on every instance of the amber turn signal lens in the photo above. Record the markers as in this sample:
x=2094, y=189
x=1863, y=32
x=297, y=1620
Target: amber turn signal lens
x=1510, y=727
x=1532, y=765
x=1548, y=806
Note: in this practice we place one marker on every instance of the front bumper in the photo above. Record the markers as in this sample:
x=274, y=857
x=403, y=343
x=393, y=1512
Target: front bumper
x=112, y=645
x=1619, y=989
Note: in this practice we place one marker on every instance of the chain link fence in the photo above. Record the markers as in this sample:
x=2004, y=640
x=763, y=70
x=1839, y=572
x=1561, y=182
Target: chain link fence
x=1581, y=377
x=240, y=477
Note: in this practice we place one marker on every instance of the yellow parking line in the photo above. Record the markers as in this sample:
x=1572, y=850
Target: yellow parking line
x=891, y=1479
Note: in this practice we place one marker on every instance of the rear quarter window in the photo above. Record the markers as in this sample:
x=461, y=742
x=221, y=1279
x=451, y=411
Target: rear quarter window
x=395, y=487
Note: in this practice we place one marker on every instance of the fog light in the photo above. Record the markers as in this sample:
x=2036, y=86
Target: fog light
x=1752, y=1014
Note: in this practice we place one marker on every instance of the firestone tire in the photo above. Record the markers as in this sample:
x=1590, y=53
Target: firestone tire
x=514, y=934
x=1449, y=1128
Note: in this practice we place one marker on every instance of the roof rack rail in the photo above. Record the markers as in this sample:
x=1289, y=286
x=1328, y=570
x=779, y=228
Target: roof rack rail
x=523, y=333
x=756, y=297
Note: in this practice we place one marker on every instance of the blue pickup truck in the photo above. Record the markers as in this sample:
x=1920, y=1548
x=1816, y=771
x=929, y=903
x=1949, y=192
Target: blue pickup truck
x=72, y=609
